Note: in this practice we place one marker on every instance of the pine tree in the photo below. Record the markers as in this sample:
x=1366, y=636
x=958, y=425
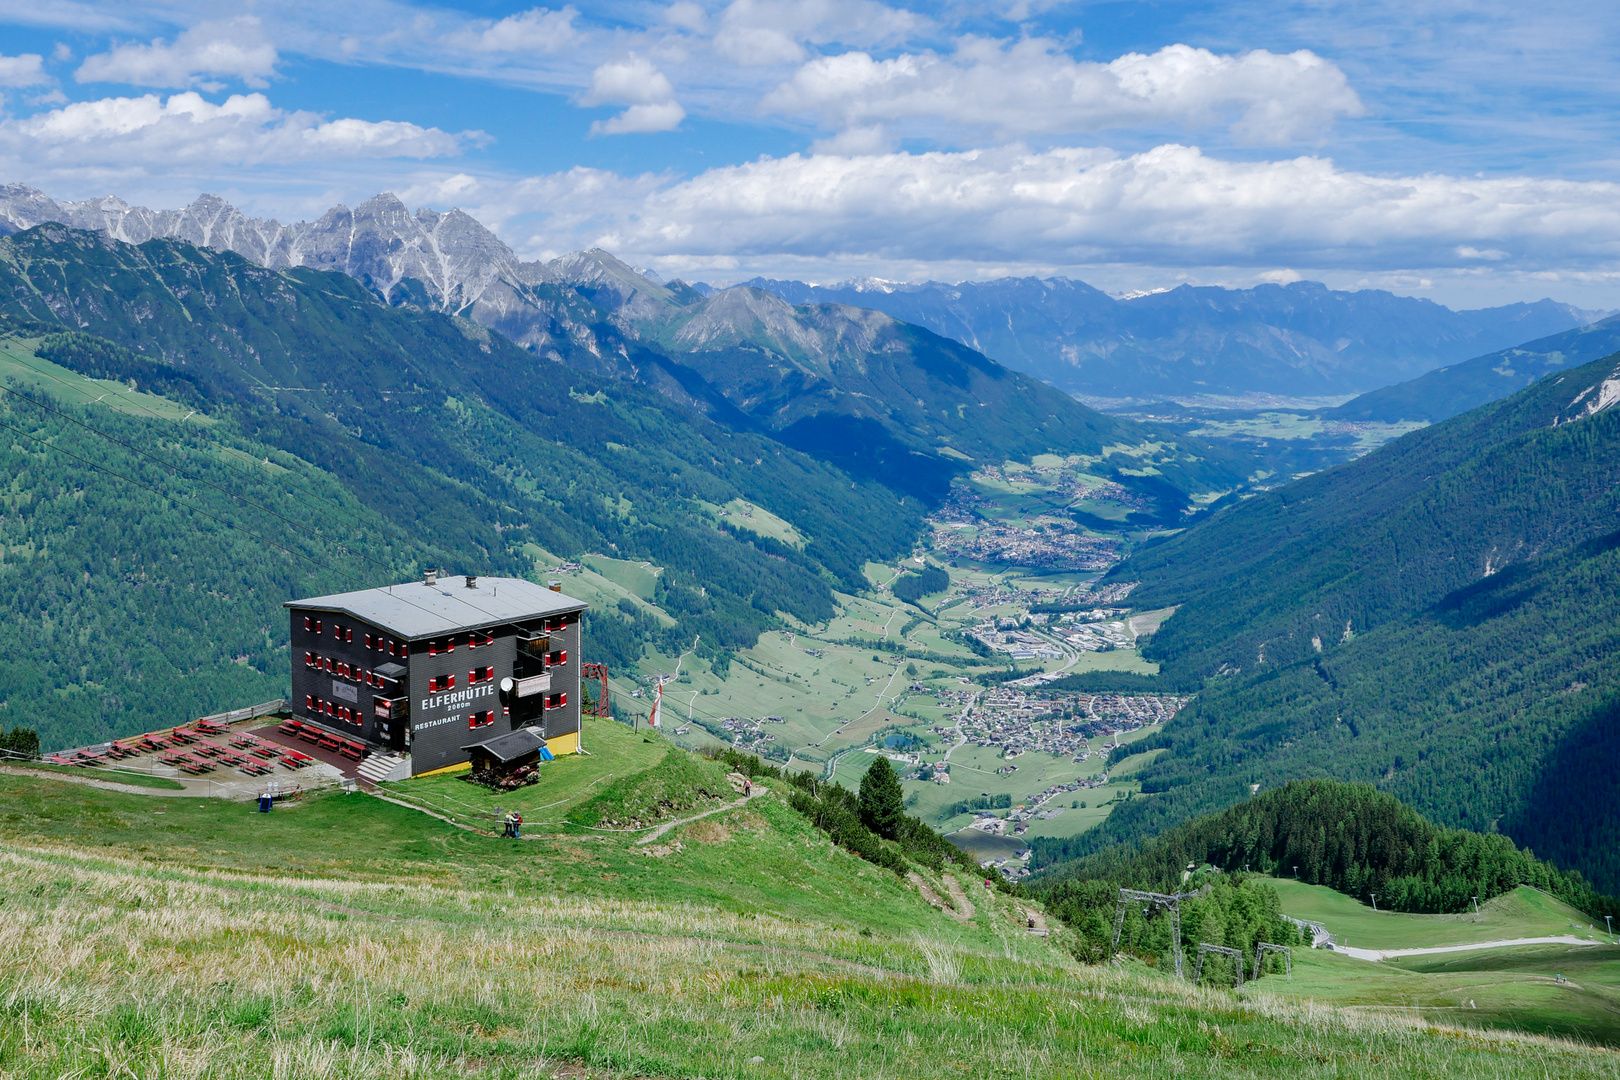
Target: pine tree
x=882, y=804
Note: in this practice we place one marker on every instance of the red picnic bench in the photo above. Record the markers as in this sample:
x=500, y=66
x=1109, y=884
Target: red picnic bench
x=266, y=751
x=291, y=727
x=253, y=768
x=311, y=734
x=209, y=727
x=352, y=750
x=294, y=760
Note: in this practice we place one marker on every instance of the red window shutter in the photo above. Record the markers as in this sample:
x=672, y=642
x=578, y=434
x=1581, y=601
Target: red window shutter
x=309, y=701
x=449, y=682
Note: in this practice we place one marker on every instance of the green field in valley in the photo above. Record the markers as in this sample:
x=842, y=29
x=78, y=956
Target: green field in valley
x=1510, y=986
x=1521, y=913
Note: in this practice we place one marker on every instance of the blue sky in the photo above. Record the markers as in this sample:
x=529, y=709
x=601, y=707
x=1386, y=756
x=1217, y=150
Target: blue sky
x=1464, y=151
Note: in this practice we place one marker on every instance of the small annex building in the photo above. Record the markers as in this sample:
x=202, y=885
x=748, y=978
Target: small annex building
x=431, y=668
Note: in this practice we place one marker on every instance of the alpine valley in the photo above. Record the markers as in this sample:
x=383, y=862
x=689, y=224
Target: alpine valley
x=1291, y=612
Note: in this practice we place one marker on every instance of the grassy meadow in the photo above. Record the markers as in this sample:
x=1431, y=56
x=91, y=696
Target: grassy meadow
x=346, y=936
x=1513, y=986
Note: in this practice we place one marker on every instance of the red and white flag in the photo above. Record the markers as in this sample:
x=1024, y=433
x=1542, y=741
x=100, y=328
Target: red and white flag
x=658, y=704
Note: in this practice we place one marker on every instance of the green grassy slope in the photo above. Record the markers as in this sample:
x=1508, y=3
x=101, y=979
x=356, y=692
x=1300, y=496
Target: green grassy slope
x=1522, y=913
x=347, y=937
x=1513, y=985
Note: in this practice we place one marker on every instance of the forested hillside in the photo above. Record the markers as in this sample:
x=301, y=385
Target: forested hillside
x=1349, y=837
x=1438, y=618
x=1448, y=391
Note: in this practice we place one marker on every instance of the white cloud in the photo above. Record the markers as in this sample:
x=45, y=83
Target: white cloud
x=25, y=70
x=538, y=30
x=1032, y=87
x=646, y=90
x=687, y=15
x=189, y=130
x=1171, y=206
x=761, y=32
x=235, y=48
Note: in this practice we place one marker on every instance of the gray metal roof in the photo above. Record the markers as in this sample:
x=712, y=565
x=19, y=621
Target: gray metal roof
x=416, y=610
x=513, y=744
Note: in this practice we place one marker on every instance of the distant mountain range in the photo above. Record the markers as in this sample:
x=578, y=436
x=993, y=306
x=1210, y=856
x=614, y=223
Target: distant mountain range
x=1301, y=340
x=881, y=399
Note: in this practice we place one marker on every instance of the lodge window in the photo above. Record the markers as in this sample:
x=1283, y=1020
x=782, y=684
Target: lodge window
x=480, y=674
x=481, y=719
x=404, y=649
x=476, y=640
x=560, y=656
x=556, y=701
x=441, y=682
x=368, y=641
x=328, y=706
x=309, y=701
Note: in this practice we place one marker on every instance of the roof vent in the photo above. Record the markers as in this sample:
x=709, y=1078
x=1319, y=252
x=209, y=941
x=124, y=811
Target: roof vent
x=472, y=581
x=430, y=577
x=556, y=586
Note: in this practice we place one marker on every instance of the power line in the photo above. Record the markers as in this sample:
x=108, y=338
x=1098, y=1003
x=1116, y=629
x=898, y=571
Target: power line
x=189, y=476
x=154, y=414
x=178, y=502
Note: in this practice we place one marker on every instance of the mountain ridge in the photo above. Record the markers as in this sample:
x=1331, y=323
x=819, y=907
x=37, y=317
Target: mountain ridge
x=1295, y=340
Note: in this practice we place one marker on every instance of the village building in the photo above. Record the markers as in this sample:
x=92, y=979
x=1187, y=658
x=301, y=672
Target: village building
x=433, y=669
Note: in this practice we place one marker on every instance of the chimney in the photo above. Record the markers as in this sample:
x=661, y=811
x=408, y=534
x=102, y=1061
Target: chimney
x=472, y=581
x=556, y=586
x=430, y=577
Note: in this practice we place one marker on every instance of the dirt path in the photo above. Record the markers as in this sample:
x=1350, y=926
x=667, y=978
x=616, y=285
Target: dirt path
x=759, y=793
x=1039, y=921
x=932, y=897
x=194, y=789
x=959, y=898
x=1393, y=954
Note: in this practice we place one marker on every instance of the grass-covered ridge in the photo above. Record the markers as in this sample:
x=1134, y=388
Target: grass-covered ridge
x=349, y=937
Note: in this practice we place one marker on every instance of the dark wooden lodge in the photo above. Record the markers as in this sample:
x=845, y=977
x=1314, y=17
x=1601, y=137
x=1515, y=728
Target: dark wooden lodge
x=435, y=667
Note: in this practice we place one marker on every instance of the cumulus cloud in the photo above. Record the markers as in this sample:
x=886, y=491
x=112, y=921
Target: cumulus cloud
x=234, y=48
x=646, y=90
x=1172, y=206
x=188, y=129
x=1032, y=87
x=538, y=30
x=25, y=70
x=761, y=32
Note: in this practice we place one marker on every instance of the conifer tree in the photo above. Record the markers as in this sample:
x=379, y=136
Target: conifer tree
x=882, y=804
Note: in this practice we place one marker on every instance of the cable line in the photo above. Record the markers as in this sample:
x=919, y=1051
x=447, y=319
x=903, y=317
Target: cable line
x=189, y=476
x=178, y=502
x=158, y=416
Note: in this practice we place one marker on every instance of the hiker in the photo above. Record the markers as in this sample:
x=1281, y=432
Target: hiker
x=506, y=824
x=748, y=789
x=517, y=825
